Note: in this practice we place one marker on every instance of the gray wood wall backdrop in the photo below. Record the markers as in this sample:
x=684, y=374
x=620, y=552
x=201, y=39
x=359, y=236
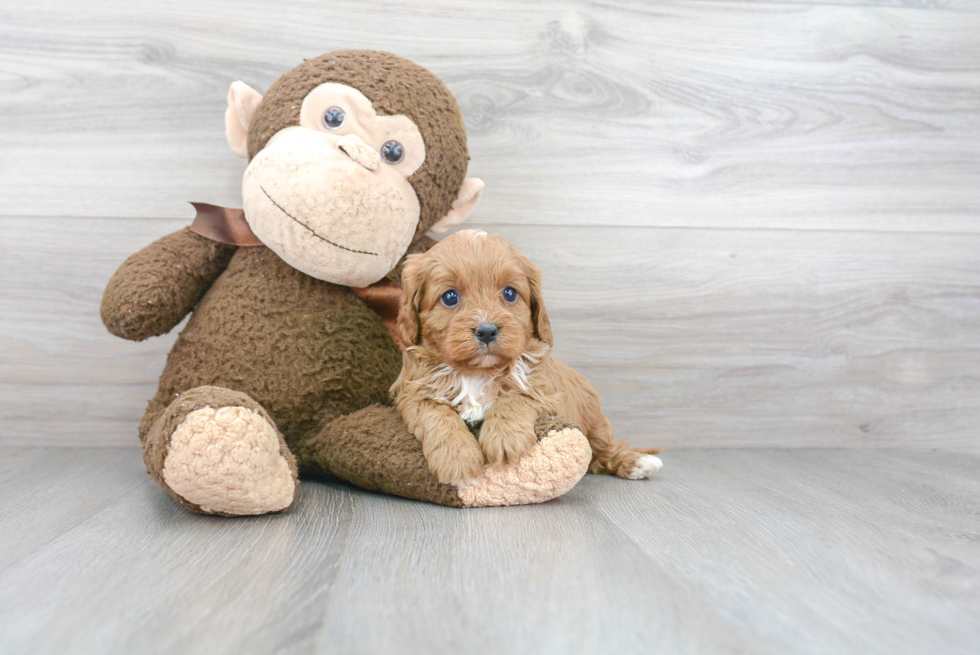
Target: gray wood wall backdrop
x=758, y=220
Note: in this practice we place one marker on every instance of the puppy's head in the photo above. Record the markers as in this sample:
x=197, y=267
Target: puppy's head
x=474, y=301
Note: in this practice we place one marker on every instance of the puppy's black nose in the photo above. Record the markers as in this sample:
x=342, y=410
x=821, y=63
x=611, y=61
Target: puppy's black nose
x=487, y=332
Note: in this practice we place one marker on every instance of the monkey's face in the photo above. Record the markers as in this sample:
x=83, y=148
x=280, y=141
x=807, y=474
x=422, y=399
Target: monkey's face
x=331, y=196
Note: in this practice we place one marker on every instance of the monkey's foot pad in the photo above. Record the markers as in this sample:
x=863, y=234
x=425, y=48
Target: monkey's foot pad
x=227, y=461
x=552, y=468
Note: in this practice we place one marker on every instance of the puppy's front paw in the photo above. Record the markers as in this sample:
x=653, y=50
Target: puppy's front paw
x=505, y=443
x=456, y=460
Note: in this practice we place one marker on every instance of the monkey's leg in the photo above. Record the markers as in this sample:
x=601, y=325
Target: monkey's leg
x=217, y=451
x=372, y=449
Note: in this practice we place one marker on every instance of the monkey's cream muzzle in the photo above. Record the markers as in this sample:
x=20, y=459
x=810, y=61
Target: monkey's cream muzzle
x=329, y=206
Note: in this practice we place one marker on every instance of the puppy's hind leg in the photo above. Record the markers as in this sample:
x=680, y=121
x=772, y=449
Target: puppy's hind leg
x=614, y=456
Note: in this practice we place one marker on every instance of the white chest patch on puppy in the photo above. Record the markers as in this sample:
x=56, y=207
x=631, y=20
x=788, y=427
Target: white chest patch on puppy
x=471, y=402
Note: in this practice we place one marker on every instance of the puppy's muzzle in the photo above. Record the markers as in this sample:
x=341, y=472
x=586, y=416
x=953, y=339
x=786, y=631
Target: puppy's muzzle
x=486, y=333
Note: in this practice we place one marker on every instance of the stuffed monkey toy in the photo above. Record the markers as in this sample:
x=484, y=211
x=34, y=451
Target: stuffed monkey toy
x=285, y=363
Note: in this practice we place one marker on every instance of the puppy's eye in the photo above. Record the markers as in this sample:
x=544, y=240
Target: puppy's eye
x=510, y=294
x=450, y=298
x=333, y=118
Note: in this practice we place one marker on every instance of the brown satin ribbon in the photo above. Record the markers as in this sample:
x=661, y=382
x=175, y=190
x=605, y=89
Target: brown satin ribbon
x=224, y=225
x=384, y=297
x=228, y=225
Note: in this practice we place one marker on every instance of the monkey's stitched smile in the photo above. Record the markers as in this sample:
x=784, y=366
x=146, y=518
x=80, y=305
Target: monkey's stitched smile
x=312, y=231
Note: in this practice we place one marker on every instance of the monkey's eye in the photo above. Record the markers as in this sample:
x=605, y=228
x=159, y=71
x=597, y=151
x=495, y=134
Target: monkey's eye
x=450, y=298
x=510, y=294
x=393, y=152
x=333, y=118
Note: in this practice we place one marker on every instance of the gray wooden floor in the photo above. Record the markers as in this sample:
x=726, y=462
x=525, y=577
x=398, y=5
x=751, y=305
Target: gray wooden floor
x=806, y=551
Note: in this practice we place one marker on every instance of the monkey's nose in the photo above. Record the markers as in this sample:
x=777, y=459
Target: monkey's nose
x=486, y=333
x=355, y=148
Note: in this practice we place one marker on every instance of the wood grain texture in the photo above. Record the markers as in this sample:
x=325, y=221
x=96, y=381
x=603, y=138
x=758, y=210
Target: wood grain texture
x=780, y=552
x=959, y=5
x=689, y=113
x=695, y=338
x=757, y=219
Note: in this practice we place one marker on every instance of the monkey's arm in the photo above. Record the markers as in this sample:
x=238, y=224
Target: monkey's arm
x=156, y=287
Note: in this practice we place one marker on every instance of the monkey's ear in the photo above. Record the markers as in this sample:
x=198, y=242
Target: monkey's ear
x=242, y=103
x=469, y=195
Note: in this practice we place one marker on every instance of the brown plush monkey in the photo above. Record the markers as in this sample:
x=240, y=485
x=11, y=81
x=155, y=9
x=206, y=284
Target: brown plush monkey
x=282, y=367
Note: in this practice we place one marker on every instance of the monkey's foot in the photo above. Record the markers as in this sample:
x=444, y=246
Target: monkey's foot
x=555, y=465
x=217, y=451
x=228, y=461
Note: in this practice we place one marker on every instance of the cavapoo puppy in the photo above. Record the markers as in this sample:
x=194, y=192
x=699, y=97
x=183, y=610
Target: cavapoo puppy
x=477, y=341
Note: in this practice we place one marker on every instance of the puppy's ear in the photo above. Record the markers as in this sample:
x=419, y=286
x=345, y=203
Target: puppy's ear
x=539, y=316
x=409, y=325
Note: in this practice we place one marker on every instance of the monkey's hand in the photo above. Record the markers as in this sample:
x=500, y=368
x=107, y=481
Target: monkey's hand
x=508, y=433
x=156, y=287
